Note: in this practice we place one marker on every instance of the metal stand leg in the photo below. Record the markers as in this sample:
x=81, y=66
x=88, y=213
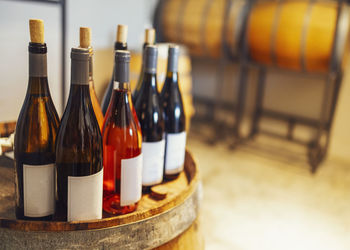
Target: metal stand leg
x=317, y=149
x=240, y=104
x=218, y=128
x=259, y=102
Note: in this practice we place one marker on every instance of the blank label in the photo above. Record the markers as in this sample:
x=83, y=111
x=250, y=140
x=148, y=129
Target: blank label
x=131, y=180
x=175, y=152
x=85, y=197
x=153, y=162
x=39, y=190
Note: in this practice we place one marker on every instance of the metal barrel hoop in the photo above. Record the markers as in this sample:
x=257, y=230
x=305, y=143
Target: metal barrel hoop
x=203, y=44
x=180, y=20
x=241, y=26
x=158, y=20
x=224, y=46
x=342, y=24
x=274, y=32
x=304, y=34
x=245, y=54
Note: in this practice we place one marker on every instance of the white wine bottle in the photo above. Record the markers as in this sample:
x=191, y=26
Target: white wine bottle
x=36, y=129
x=85, y=42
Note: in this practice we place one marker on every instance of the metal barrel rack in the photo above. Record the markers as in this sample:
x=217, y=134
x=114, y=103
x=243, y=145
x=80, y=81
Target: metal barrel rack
x=318, y=145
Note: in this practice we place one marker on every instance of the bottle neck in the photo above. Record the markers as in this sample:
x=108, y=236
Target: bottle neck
x=38, y=84
x=150, y=80
x=173, y=76
x=121, y=76
x=121, y=86
x=80, y=72
x=120, y=46
x=91, y=69
x=37, y=64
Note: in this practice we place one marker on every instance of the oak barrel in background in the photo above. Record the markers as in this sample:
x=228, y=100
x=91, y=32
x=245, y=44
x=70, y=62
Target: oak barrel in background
x=185, y=77
x=298, y=34
x=200, y=24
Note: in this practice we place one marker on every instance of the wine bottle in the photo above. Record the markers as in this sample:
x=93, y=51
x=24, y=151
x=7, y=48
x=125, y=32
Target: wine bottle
x=150, y=115
x=85, y=42
x=34, y=144
x=174, y=117
x=120, y=44
x=79, y=149
x=149, y=40
x=122, y=157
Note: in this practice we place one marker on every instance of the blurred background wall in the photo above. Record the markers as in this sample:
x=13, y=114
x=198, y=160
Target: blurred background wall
x=103, y=20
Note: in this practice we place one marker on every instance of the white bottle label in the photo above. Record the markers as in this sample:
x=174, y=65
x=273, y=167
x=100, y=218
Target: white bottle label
x=85, y=197
x=153, y=162
x=131, y=180
x=175, y=152
x=39, y=190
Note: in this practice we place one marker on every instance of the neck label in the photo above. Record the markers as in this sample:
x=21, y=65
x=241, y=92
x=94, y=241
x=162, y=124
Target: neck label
x=37, y=65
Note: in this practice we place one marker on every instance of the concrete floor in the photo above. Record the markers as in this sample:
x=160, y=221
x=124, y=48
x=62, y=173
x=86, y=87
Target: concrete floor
x=263, y=196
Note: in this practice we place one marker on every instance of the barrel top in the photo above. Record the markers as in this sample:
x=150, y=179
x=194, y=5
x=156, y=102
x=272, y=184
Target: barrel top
x=178, y=191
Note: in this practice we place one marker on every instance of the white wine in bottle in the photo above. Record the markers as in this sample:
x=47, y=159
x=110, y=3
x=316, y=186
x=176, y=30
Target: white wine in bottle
x=36, y=129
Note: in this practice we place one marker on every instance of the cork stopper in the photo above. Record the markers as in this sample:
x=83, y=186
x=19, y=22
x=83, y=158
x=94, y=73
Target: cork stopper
x=159, y=192
x=150, y=35
x=36, y=28
x=85, y=37
x=122, y=33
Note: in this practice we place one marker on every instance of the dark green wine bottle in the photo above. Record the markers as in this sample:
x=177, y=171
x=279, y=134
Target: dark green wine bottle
x=79, y=149
x=174, y=115
x=150, y=115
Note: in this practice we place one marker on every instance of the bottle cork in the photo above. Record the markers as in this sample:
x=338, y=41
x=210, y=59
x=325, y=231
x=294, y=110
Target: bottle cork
x=122, y=33
x=85, y=37
x=159, y=192
x=150, y=35
x=36, y=28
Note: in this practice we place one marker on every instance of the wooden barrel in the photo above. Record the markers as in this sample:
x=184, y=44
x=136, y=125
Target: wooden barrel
x=156, y=223
x=202, y=25
x=185, y=76
x=298, y=34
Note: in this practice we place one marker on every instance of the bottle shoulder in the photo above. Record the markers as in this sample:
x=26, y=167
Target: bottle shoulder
x=37, y=126
x=79, y=127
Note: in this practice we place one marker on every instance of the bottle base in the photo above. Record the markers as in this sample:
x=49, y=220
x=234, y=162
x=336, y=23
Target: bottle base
x=170, y=177
x=20, y=216
x=111, y=205
x=146, y=189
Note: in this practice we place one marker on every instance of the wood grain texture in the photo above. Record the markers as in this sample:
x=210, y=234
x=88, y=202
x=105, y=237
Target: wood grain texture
x=153, y=224
x=199, y=25
x=192, y=239
x=278, y=34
